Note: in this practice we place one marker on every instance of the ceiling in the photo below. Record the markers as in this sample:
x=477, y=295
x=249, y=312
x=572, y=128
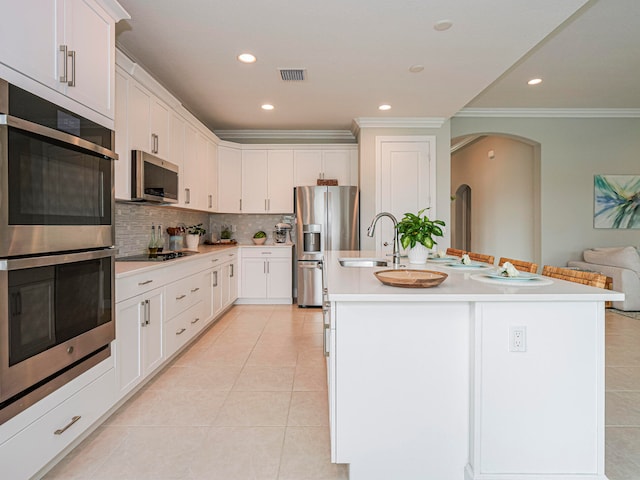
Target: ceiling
x=357, y=54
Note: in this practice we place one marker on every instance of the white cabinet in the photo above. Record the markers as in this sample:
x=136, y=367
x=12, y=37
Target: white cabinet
x=212, y=176
x=313, y=164
x=267, y=181
x=68, y=46
x=229, y=179
x=229, y=279
x=122, y=167
x=148, y=121
x=176, y=152
x=194, y=180
x=266, y=275
x=138, y=345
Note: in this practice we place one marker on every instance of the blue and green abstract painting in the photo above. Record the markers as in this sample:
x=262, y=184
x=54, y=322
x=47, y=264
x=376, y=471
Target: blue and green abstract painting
x=617, y=201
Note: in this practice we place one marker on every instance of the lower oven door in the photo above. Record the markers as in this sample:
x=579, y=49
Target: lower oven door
x=55, y=311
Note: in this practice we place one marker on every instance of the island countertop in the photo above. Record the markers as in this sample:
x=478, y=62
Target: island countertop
x=468, y=285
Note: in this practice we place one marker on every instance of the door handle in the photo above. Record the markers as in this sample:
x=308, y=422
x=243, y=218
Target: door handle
x=72, y=82
x=187, y=192
x=180, y=297
x=210, y=201
x=60, y=431
x=215, y=278
x=181, y=331
x=194, y=290
x=195, y=320
x=63, y=78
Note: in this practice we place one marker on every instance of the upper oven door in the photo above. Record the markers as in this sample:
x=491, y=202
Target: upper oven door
x=56, y=191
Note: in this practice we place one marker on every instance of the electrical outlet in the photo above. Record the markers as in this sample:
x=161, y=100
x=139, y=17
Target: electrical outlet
x=518, y=339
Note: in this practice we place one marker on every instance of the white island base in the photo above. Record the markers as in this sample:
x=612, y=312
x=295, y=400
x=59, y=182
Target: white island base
x=428, y=389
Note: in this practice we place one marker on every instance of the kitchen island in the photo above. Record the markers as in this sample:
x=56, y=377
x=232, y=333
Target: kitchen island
x=472, y=379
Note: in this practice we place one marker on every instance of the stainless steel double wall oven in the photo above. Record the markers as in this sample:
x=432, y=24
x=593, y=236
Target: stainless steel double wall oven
x=56, y=247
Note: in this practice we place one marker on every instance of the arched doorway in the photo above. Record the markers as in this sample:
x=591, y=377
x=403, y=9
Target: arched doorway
x=503, y=172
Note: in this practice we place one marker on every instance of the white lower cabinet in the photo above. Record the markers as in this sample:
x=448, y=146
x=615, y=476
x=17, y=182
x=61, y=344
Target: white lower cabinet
x=25, y=453
x=138, y=344
x=266, y=275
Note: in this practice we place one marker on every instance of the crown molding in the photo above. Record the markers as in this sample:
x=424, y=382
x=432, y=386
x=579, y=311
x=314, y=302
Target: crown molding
x=114, y=9
x=550, y=112
x=395, y=122
x=344, y=136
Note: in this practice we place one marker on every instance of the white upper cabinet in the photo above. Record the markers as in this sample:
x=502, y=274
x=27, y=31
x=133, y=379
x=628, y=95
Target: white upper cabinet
x=267, y=181
x=148, y=122
x=212, y=176
x=122, y=167
x=176, y=151
x=313, y=164
x=229, y=179
x=69, y=46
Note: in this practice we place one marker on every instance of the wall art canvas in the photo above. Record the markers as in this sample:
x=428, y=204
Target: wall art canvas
x=616, y=201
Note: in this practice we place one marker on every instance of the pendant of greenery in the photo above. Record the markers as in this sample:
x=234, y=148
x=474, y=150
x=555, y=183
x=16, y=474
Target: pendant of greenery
x=414, y=229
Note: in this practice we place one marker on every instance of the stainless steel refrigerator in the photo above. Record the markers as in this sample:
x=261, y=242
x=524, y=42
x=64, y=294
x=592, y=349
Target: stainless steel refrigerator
x=327, y=218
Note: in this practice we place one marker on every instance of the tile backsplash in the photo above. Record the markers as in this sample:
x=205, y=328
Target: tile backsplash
x=133, y=225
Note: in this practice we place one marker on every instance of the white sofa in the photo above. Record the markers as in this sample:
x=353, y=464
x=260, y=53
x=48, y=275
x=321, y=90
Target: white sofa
x=622, y=264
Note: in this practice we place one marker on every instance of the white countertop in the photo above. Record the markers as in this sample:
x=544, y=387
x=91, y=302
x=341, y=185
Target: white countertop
x=124, y=269
x=360, y=284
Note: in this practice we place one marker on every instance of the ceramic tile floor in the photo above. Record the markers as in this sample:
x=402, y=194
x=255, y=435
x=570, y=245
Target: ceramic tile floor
x=622, y=402
x=248, y=401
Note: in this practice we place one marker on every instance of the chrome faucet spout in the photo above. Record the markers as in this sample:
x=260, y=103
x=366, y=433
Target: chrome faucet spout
x=396, y=244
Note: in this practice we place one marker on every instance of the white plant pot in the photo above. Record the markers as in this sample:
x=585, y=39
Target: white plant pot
x=418, y=254
x=192, y=241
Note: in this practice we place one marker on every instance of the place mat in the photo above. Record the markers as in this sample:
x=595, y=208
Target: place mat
x=508, y=281
x=472, y=266
x=409, y=278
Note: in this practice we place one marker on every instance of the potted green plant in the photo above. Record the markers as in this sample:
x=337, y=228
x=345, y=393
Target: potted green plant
x=225, y=234
x=193, y=234
x=259, y=238
x=417, y=232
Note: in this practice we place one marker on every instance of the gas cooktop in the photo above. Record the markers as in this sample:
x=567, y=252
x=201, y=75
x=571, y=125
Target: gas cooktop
x=159, y=257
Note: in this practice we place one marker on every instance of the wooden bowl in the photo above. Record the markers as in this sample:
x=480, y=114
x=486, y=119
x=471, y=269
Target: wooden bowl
x=408, y=278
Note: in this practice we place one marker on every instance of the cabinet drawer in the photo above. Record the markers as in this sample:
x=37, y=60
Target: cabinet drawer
x=182, y=328
x=26, y=452
x=183, y=294
x=266, y=252
x=128, y=287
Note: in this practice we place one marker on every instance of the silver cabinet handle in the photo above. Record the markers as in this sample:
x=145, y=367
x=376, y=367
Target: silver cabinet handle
x=268, y=267
x=157, y=143
x=181, y=297
x=146, y=282
x=194, y=290
x=147, y=312
x=194, y=321
x=144, y=314
x=268, y=204
x=264, y=267
x=63, y=78
x=231, y=275
x=72, y=82
x=266, y=253
x=187, y=192
x=240, y=204
x=325, y=340
x=214, y=260
x=181, y=331
x=210, y=201
x=215, y=278
x=60, y=431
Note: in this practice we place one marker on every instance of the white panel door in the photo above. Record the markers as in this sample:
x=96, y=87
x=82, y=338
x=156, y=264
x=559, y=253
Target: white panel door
x=139, y=105
x=280, y=181
x=159, y=127
x=122, y=168
x=229, y=179
x=279, y=278
x=254, y=181
x=176, y=152
x=212, y=176
x=307, y=166
x=406, y=183
x=31, y=50
x=89, y=32
x=254, y=278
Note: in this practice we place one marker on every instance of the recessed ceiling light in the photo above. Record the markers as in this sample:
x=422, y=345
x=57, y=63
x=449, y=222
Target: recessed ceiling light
x=384, y=107
x=534, y=81
x=416, y=68
x=246, y=58
x=442, y=25
x=268, y=106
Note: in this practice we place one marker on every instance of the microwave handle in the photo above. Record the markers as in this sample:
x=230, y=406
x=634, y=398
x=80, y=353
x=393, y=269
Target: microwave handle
x=33, y=262
x=53, y=134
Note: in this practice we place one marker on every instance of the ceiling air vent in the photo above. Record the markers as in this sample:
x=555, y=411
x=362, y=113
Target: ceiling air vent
x=292, y=74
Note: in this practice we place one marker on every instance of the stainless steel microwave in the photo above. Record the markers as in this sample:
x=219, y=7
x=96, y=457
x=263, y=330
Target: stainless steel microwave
x=153, y=179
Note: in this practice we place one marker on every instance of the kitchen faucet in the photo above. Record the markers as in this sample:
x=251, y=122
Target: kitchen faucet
x=372, y=228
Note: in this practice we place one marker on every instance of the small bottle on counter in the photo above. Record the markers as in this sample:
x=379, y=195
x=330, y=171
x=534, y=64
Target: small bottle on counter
x=159, y=239
x=153, y=249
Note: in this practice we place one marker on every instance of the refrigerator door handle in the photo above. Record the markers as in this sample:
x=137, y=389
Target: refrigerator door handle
x=327, y=221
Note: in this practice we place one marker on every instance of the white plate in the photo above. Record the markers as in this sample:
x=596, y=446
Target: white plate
x=442, y=259
x=522, y=276
x=470, y=265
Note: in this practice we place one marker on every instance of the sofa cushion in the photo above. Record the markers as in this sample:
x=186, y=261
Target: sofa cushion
x=623, y=257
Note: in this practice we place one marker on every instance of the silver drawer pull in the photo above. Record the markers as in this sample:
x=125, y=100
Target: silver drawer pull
x=266, y=253
x=195, y=320
x=147, y=282
x=180, y=297
x=181, y=331
x=194, y=290
x=60, y=431
x=214, y=260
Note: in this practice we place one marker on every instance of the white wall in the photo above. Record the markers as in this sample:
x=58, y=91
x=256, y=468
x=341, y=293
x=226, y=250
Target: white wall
x=367, y=173
x=502, y=196
x=572, y=151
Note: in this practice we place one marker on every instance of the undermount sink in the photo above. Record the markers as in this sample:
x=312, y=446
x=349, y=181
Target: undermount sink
x=363, y=262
